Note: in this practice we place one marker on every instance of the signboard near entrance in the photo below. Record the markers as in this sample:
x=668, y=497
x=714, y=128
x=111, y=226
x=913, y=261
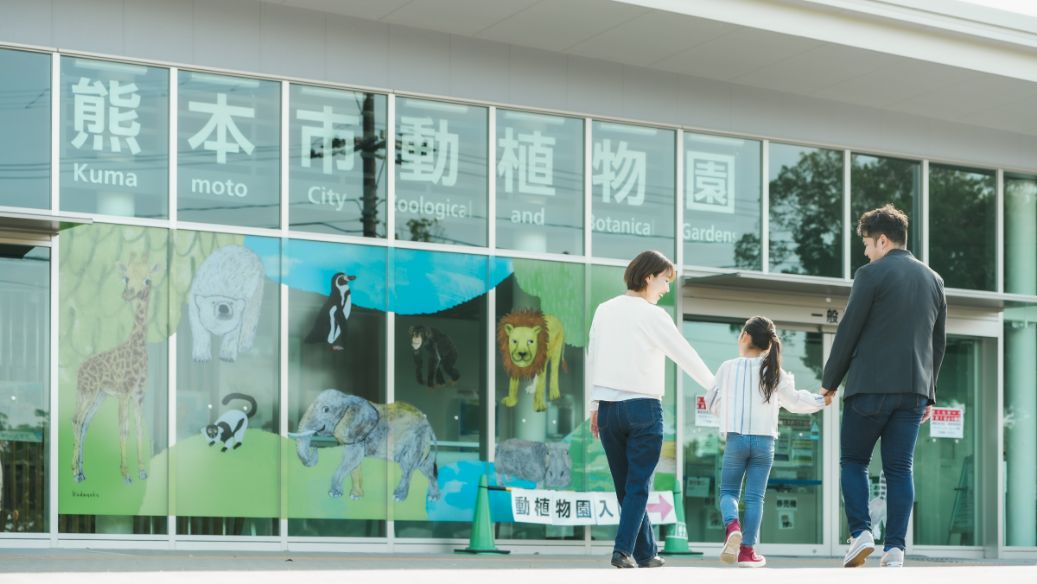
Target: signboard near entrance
x=947, y=423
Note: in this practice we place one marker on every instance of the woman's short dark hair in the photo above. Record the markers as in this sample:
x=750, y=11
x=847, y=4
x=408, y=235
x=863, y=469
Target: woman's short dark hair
x=888, y=221
x=647, y=263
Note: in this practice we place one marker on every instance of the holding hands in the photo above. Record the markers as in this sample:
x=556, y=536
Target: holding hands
x=829, y=395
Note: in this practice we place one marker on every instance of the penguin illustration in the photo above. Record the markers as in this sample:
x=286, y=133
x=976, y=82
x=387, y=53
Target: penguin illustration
x=330, y=325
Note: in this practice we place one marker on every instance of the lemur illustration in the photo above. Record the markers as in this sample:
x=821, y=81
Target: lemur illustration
x=429, y=343
x=330, y=325
x=230, y=427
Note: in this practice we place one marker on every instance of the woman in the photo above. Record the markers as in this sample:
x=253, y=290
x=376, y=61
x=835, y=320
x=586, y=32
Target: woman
x=630, y=339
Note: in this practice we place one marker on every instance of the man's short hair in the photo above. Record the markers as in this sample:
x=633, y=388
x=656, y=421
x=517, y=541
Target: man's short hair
x=647, y=263
x=888, y=221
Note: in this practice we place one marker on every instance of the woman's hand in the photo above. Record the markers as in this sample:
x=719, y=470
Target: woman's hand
x=594, y=424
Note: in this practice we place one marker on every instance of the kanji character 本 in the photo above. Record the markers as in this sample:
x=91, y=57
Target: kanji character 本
x=521, y=506
x=563, y=508
x=620, y=172
x=542, y=506
x=221, y=121
x=427, y=153
x=328, y=140
x=531, y=157
x=583, y=509
x=710, y=182
x=99, y=111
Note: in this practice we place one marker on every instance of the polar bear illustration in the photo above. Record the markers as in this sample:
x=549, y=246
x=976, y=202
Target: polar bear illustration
x=224, y=300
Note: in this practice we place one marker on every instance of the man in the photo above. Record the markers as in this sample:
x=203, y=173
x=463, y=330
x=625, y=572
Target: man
x=889, y=346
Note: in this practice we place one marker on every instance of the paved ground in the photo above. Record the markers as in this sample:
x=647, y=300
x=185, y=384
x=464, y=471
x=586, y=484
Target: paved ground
x=160, y=567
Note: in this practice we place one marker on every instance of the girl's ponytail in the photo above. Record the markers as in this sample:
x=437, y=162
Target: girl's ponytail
x=764, y=337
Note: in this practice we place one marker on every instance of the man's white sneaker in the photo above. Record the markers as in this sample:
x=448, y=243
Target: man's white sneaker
x=860, y=548
x=894, y=558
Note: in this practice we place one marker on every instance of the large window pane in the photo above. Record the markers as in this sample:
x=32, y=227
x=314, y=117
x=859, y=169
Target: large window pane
x=440, y=374
x=1020, y=427
x=634, y=187
x=722, y=198
x=806, y=210
x=114, y=138
x=24, y=388
x=876, y=181
x=1020, y=234
x=226, y=314
x=963, y=226
x=229, y=136
x=25, y=118
x=543, y=302
x=947, y=500
x=337, y=304
x=539, y=182
x=112, y=366
x=441, y=161
x=336, y=168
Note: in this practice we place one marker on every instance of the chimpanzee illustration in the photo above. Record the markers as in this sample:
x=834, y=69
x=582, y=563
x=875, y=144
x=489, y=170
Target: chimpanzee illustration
x=431, y=345
x=330, y=324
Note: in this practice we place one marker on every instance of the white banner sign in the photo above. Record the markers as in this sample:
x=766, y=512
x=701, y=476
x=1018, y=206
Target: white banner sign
x=947, y=423
x=703, y=418
x=574, y=508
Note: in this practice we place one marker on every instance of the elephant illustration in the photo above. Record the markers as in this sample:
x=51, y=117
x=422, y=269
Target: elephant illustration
x=364, y=428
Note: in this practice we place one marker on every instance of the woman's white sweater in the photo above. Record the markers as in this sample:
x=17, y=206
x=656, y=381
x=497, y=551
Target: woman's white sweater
x=630, y=339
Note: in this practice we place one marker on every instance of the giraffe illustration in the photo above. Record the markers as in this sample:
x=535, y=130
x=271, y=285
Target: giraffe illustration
x=120, y=372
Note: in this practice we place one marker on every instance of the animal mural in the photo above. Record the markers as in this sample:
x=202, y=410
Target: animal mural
x=529, y=342
x=230, y=427
x=366, y=429
x=546, y=464
x=437, y=350
x=120, y=372
x=330, y=324
x=224, y=300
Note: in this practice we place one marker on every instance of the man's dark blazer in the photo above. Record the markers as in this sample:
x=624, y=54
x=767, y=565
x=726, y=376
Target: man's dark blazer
x=892, y=335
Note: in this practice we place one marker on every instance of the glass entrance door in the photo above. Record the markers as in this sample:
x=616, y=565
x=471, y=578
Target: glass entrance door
x=794, y=504
x=24, y=387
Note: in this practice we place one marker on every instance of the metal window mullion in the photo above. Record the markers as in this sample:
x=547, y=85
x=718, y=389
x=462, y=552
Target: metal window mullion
x=55, y=132
x=390, y=168
x=491, y=180
x=174, y=128
x=283, y=405
x=830, y=538
x=171, y=393
x=285, y=88
x=925, y=215
x=679, y=201
x=390, y=397
x=588, y=226
x=491, y=375
x=765, y=207
x=847, y=210
x=1000, y=247
x=52, y=470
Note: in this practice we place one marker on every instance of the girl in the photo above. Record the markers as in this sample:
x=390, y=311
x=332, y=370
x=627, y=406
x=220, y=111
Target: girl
x=745, y=397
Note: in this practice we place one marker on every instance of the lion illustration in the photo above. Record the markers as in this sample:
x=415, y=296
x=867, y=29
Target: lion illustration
x=529, y=340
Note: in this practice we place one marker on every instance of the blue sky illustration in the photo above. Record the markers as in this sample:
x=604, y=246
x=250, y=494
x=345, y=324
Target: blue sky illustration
x=424, y=282
x=458, y=482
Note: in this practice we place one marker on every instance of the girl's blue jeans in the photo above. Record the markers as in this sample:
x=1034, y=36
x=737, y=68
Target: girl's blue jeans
x=749, y=457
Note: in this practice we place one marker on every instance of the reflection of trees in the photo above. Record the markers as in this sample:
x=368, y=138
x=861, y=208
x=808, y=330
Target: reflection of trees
x=806, y=212
x=424, y=229
x=876, y=182
x=962, y=226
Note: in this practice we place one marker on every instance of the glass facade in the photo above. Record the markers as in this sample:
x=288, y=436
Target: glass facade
x=346, y=381
x=25, y=112
x=876, y=181
x=806, y=210
x=963, y=226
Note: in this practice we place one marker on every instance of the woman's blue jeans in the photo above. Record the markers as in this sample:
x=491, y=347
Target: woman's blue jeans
x=631, y=433
x=751, y=457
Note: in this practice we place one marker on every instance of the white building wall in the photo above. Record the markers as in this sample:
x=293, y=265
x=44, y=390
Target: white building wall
x=270, y=39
